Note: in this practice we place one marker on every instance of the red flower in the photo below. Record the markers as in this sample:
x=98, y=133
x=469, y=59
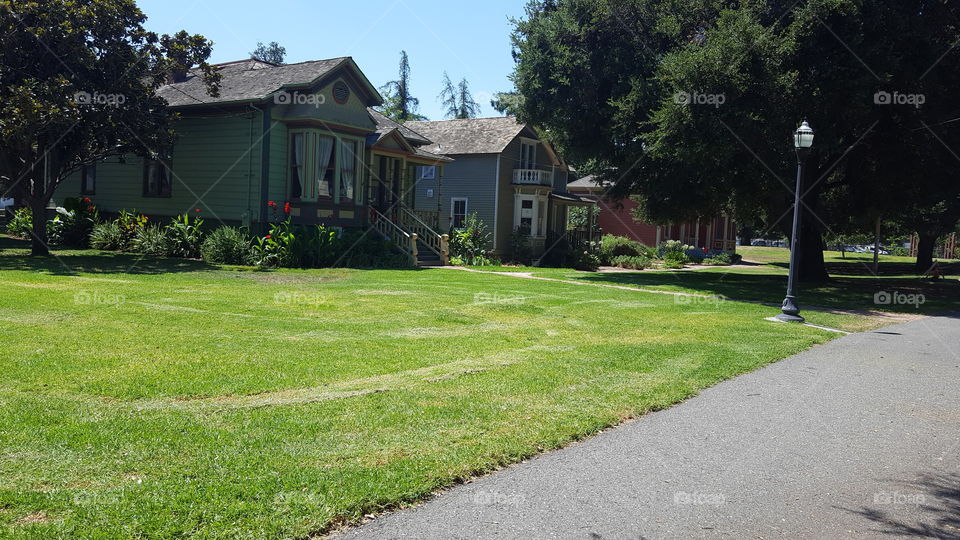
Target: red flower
x=286, y=208
x=267, y=237
x=86, y=200
x=90, y=209
x=271, y=203
x=197, y=210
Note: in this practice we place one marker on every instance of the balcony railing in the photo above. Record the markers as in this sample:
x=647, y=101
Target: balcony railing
x=532, y=176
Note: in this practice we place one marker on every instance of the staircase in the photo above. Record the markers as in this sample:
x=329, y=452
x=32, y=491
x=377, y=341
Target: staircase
x=413, y=236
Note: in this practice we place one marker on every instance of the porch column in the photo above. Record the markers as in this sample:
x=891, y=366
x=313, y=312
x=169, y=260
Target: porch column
x=696, y=234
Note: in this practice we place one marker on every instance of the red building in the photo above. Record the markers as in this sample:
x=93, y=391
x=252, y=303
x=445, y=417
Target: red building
x=616, y=218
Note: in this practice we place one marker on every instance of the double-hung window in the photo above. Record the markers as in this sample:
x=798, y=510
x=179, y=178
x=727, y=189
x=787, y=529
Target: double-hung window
x=458, y=212
x=88, y=180
x=157, y=175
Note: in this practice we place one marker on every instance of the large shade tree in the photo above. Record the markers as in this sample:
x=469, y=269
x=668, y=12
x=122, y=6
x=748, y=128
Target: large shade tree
x=690, y=106
x=77, y=84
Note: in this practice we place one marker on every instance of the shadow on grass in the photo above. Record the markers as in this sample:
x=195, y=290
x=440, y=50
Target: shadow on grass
x=15, y=255
x=936, y=495
x=842, y=292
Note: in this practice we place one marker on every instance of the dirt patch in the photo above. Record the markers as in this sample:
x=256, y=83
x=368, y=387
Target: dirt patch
x=36, y=517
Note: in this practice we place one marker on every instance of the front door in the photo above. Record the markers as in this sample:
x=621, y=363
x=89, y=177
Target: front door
x=382, y=199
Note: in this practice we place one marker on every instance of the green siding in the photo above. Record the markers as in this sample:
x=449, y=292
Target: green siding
x=216, y=167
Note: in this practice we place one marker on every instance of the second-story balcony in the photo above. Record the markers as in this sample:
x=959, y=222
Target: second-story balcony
x=533, y=176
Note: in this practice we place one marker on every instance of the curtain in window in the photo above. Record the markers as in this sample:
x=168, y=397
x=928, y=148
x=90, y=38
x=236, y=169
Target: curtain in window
x=324, y=152
x=348, y=161
x=296, y=188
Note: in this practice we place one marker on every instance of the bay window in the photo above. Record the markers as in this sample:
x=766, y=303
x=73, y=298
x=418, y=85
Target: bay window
x=324, y=167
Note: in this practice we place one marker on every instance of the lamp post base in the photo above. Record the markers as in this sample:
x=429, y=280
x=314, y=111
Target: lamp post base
x=791, y=313
x=785, y=317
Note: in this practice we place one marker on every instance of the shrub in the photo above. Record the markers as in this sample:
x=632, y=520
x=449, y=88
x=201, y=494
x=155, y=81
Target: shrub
x=696, y=256
x=151, y=240
x=470, y=242
x=273, y=249
x=584, y=260
x=721, y=258
x=520, y=251
x=73, y=223
x=675, y=259
x=615, y=246
x=184, y=236
x=226, y=245
x=21, y=224
x=638, y=262
x=108, y=236
x=901, y=251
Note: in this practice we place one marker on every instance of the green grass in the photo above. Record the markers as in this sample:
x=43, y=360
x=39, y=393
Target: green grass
x=768, y=255
x=165, y=398
x=852, y=286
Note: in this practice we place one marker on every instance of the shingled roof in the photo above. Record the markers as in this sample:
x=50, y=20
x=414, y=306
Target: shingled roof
x=469, y=136
x=385, y=125
x=253, y=80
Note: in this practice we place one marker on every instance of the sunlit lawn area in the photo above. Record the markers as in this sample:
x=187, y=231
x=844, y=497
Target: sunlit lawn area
x=852, y=285
x=163, y=398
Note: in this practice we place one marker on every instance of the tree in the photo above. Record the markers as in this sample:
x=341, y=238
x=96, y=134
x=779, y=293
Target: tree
x=506, y=103
x=457, y=100
x=273, y=53
x=399, y=104
x=77, y=84
x=694, y=103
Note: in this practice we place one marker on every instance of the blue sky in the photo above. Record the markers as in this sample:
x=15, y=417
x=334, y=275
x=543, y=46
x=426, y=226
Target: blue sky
x=464, y=38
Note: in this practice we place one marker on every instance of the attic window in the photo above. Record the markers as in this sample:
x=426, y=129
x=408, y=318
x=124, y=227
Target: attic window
x=341, y=92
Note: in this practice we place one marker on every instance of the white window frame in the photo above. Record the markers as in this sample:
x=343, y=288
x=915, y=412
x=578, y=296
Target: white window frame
x=528, y=158
x=453, y=209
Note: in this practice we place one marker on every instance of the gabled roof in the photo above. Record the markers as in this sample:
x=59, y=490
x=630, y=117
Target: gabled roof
x=469, y=136
x=254, y=80
x=385, y=125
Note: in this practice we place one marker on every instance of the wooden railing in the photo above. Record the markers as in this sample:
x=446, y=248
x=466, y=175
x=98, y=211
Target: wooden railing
x=407, y=242
x=430, y=217
x=438, y=243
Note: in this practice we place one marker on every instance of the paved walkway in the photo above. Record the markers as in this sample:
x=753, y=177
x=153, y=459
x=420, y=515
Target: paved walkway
x=856, y=438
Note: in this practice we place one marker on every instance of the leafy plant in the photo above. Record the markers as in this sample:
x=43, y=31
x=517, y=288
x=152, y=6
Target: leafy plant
x=226, y=245
x=615, y=246
x=73, y=223
x=273, y=249
x=21, y=224
x=108, y=236
x=130, y=223
x=151, y=240
x=632, y=262
x=520, y=250
x=584, y=260
x=721, y=258
x=470, y=242
x=184, y=236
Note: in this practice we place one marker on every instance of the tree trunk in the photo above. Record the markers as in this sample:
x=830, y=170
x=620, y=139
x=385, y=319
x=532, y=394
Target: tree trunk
x=38, y=239
x=810, y=268
x=925, y=246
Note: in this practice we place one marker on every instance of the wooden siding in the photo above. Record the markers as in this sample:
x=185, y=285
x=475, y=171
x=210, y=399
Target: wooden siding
x=473, y=177
x=210, y=162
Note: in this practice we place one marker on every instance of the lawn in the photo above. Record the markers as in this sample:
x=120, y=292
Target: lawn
x=852, y=286
x=167, y=398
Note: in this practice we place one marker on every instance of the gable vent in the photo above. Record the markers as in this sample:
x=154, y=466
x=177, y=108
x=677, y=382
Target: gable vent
x=341, y=92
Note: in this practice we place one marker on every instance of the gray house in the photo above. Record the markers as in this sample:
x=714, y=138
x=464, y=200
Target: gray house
x=503, y=172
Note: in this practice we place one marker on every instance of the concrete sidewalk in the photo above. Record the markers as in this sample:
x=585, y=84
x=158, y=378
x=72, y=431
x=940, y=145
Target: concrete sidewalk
x=856, y=438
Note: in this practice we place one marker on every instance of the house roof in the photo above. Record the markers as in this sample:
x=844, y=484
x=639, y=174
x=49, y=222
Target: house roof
x=469, y=136
x=587, y=183
x=254, y=80
x=385, y=125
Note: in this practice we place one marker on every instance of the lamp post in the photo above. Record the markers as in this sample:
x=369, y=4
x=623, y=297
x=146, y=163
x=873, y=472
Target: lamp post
x=802, y=141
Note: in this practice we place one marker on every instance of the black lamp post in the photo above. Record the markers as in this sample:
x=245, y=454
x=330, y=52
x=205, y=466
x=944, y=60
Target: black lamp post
x=802, y=141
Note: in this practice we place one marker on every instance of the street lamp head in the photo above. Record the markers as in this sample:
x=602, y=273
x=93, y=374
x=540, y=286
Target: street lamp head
x=803, y=137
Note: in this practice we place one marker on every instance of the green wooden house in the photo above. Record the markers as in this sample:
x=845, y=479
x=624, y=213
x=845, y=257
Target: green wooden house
x=301, y=133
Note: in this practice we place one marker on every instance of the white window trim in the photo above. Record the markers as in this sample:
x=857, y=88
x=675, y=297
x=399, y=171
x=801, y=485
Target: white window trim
x=537, y=224
x=453, y=206
x=532, y=162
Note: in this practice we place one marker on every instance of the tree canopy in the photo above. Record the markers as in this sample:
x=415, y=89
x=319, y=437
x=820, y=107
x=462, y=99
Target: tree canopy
x=77, y=84
x=273, y=53
x=690, y=106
